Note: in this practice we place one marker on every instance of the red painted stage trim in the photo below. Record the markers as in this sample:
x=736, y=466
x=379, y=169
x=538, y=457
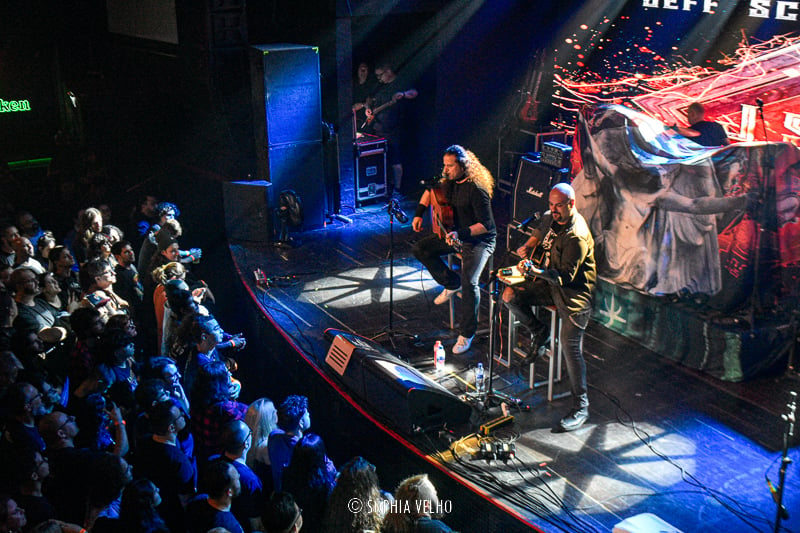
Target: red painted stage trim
x=462, y=481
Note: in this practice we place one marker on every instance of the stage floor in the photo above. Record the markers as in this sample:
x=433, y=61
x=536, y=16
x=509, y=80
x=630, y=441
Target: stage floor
x=661, y=438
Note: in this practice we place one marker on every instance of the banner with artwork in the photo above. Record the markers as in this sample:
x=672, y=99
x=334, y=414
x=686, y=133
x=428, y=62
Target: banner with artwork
x=673, y=218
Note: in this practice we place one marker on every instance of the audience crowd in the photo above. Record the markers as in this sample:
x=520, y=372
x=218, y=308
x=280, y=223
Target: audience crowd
x=119, y=411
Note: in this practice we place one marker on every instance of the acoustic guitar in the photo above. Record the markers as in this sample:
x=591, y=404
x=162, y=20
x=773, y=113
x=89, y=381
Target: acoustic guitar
x=514, y=275
x=442, y=217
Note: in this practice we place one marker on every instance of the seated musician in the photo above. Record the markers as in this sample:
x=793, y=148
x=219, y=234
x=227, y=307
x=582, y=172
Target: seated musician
x=466, y=188
x=565, y=277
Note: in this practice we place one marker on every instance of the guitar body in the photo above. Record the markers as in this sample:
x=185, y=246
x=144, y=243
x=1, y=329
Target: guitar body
x=441, y=213
x=442, y=216
x=536, y=259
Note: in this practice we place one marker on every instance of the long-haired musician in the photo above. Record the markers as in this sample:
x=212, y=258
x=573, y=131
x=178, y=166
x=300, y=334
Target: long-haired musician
x=466, y=188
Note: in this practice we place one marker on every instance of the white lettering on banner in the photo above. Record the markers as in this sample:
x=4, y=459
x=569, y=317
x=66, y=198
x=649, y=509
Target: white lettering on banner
x=777, y=9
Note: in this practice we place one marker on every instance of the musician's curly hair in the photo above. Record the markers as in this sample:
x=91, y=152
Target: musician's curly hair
x=473, y=168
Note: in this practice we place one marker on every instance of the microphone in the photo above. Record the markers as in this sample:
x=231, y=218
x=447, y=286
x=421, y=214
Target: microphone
x=397, y=211
x=533, y=218
x=431, y=182
x=760, y=103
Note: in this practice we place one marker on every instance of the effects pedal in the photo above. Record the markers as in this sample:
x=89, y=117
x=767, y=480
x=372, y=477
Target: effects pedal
x=492, y=425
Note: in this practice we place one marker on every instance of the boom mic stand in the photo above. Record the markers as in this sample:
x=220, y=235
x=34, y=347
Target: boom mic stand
x=393, y=208
x=766, y=218
x=777, y=494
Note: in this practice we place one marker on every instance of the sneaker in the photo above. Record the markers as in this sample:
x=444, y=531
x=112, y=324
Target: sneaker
x=444, y=296
x=574, y=419
x=462, y=344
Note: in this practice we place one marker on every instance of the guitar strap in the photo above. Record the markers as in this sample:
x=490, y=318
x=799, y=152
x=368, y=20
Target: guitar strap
x=547, y=245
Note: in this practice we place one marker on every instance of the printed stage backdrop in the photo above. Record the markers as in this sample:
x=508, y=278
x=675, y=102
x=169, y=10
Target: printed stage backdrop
x=686, y=236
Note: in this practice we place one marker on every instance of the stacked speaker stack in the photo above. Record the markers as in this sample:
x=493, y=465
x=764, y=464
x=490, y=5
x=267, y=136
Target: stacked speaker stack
x=535, y=177
x=287, y=114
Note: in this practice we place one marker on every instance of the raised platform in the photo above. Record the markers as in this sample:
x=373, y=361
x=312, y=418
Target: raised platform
x=725, y=346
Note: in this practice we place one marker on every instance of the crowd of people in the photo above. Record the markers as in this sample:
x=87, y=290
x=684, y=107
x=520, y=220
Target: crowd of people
x=119, y=409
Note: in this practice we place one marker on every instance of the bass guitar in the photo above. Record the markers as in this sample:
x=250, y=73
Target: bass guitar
x=529, y=113
x=442, y=217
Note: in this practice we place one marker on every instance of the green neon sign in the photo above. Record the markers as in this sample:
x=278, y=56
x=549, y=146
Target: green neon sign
x=12, y=106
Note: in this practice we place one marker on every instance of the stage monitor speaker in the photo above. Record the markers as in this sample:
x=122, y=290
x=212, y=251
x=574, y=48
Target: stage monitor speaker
x=531, y=190
x=247, y=210
x=394, y=389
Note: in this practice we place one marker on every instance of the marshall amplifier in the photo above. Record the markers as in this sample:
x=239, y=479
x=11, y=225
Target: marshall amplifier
x=556, y=154
x=370, y=169
x=531, y=190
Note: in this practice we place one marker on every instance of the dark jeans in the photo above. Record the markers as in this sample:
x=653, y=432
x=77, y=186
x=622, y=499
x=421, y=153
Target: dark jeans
x=539, y=293
x=429, y=251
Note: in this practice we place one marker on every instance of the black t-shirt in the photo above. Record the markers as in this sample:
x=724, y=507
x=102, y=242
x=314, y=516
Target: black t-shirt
x=68, y=485
x=471, y=205
x=711, y=134
x=128, y=285
x=200, y=517
x=171, y=471
x=37, y=509
x=248, y=503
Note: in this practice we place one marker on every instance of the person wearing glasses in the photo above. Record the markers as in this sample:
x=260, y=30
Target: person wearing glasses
x=565, y=277
x=26, y=405
x=97, y=279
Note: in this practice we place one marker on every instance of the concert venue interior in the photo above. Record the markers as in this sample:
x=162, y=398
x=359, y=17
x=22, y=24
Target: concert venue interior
x=240, y=113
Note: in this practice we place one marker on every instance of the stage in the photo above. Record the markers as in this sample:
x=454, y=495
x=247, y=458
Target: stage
x=662, y=438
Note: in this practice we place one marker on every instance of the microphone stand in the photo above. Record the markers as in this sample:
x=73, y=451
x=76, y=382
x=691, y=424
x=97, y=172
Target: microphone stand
x=789, y=418
x=764, y=214
x=492, y=398
x=394, y=210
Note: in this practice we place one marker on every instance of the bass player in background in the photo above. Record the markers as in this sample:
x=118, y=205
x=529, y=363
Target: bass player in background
x=384, y=118
x=566, y=278
x=466, y=191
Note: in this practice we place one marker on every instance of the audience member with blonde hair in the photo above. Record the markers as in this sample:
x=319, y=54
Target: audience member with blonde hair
x=262, y=419
x=416, y=502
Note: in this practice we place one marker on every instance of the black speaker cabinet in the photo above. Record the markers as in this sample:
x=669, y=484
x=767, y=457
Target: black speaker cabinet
x=299, y=167
x=248, y=216
x=531, y=190
x=287, y=115
x=395, y=390
x=516, y=236
x=287, y=102
x=370, y=169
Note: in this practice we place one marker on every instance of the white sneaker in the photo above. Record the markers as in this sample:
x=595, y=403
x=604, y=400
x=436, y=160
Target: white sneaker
x=444, y=296
x=462, y=344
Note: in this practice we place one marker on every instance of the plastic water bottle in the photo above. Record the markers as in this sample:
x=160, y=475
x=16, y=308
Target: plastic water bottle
x=438, y=356
x=480, y=383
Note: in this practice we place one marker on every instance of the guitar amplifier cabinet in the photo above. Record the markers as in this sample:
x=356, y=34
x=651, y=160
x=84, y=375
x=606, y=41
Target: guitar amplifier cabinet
x=370, y=169
x=531, y=190
x=516, y=236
